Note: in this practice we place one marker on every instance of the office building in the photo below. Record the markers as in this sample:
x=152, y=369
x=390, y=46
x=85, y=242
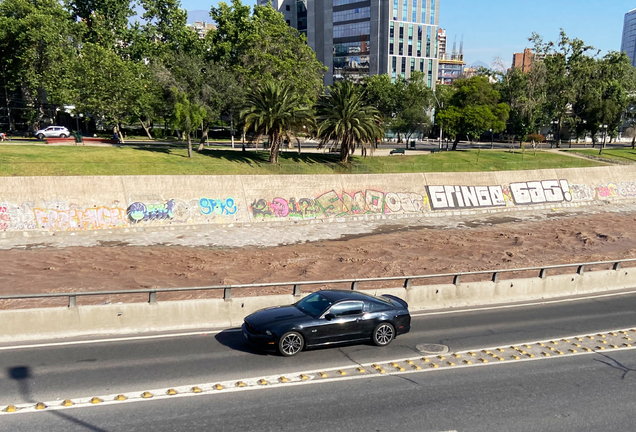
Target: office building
x=629, y=36
x=451, y=64
x=358, y=38
x=523, y=60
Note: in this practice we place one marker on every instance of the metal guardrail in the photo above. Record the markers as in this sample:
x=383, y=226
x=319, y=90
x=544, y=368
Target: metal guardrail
x=353, y=283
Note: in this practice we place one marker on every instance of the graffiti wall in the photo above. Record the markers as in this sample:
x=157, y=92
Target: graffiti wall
x=194, y=202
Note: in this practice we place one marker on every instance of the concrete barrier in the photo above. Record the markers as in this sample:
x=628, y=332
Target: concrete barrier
x=43, y=205
x=47, y=323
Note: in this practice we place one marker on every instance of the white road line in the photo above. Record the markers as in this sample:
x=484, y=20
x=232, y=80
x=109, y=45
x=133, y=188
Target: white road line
x=536, y=303
x=121, y=339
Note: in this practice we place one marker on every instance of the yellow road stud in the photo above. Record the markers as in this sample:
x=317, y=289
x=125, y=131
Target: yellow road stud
x=196, y=389
x=262, y=381
x=622, y=332
x=530, y=355
x=220, y=387
x=565, y=340
x=613, y=333
x=40, y=406
x=96, y=400
x=171, y=392
x=554, y=342
x=483, y=360
x=456, y=355
x=409, y=362
x=500, y=358
x=600, y=348
x=361, y=370
x=541, y=344
x=627, y=338
x=242, y=384
x=120, y=397
x=576, y=345
x=426, y=360
x=500, y=349
x=10, y=408
x=579, y=339
x=322, y=374
x=601, y=335
x=516, y=357
x=485, y=351
x=602, y=341
x=586, y=349
x=377, y=366
x=559, y=352
x=514, y=347
x=522, y=352
x=472, y=354
x=416, y=367
x=433, y=365
x=591, y=337
x=441, y=357
x=146, y=395
x=546, y=354
x=527, y=346
x=281, y=379
x=450, y=363
x=467, y=362
x=627, y=345
x=341, y=372
x=614, y=346
x=394, y=364
x=67, y=402
x=573, y=351
x=551, y=348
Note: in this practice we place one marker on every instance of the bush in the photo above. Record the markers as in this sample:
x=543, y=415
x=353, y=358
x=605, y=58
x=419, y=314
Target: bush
x=536, y=138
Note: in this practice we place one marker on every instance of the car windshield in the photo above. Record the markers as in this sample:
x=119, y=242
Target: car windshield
x=314, y=304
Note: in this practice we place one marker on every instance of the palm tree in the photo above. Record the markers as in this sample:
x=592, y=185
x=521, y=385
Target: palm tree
x=346, y=121
x=277, y=111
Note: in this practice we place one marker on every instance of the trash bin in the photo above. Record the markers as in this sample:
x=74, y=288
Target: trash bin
x=412, y=144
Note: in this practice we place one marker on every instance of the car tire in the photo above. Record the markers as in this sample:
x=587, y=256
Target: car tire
x=62, y=135
x=383, y=334
x=40, y=136
x=290, y=344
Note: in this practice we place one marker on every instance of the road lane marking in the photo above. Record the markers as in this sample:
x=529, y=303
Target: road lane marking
x=365, y=371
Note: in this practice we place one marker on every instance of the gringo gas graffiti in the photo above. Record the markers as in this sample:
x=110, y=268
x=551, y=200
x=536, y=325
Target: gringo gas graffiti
x=331, y=204
x=225, y=206
x=138, y=212
x=80, y=219
x=5, y=218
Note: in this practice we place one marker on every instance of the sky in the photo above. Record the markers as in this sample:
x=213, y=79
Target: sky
x=499, y=28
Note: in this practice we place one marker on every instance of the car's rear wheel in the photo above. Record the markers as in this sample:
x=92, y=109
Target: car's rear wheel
x=290, y=344
x=383, y=334
x=63, y=136
x=40, y=136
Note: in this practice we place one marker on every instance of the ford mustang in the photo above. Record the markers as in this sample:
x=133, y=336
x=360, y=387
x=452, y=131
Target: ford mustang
x=328, y=317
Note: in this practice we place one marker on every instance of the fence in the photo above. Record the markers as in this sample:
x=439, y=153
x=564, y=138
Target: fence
x=353, y=284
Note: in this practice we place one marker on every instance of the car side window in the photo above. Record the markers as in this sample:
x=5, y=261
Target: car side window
x=375, y=307
x=346, y=308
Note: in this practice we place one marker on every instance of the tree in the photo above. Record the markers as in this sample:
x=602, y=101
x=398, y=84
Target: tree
x=104, y=22
x=345, y=120
x=277, y=111
x=411, y=121
x=187, y=116
x=473, y=109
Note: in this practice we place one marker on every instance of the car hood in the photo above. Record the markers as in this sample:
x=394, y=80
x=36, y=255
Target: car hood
x=274, y=315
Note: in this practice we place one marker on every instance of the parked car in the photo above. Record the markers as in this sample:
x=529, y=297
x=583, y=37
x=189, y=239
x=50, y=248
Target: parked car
x=53, y=132
x=328, y=317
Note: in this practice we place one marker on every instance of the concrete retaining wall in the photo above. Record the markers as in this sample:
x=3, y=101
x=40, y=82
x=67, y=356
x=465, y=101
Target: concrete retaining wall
x=32, y=205
x=33, y=324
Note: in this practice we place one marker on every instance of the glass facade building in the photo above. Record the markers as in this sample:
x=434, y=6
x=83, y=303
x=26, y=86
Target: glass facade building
x=358, y=38
x=629, y=36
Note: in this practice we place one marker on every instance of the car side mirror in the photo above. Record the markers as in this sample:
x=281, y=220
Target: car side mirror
x=329, y=317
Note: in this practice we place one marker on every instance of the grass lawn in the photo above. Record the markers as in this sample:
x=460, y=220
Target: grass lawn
x=69, y=161
x=624, y=155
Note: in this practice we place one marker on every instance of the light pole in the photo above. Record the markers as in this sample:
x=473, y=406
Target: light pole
x=602, y=146
x=492, y=145
x=441, y=130
x=554, y=136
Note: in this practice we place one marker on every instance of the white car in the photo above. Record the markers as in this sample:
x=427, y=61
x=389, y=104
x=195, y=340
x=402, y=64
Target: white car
x=53, y=132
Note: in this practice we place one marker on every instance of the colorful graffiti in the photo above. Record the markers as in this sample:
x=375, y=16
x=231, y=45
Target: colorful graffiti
x=138, y=212
x=620, y=190
x=540, y=192
x=5, y=218
x=332, y=204
x=451, y=197
x=225, y=206
x=581, y=192
x=80, y=219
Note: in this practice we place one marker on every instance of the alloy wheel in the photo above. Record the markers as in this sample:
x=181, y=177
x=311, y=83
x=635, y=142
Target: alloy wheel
x=291, y=344
x=384, y=334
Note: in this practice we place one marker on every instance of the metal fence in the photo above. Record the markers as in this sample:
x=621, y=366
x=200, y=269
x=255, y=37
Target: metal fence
x=354, y=284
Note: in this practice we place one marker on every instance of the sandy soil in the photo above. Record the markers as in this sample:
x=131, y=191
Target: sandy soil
x=406, y=251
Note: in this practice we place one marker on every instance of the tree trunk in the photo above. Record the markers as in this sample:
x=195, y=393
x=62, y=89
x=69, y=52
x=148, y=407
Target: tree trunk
x=205, y=129
x=399, y=138
x=189, y=145
x=455, y=143
x=120, y=134
x=147, y=129
x=273, y=149
x=298, y=142
x=633, y=141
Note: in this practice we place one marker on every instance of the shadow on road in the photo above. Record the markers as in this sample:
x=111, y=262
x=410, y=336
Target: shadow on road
x=615, y=364
x=22, y=375
x=234, y=340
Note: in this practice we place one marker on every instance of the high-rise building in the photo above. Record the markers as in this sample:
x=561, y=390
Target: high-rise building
x=358, y=38
x=629, y=36
x=451, y=64
x=523, y=60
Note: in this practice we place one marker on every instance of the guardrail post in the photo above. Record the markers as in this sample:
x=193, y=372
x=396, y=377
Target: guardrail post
x=617, y=265
x=580, y=270
x=152, y=297
x=407, y=283
x=495, y=277
x=72, y=301
x=457, y=279
x=354, y=285
x=296, y=290
x=543, y=273
x=227, y=294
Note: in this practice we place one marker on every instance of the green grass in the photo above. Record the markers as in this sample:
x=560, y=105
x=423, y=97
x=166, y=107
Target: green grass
x=625, y=155
x=69, y=161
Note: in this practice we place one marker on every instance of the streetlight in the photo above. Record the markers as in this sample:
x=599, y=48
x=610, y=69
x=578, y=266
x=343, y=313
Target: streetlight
x=554, y=127
x=441, y=131
x=491, y=140
x=602, y=146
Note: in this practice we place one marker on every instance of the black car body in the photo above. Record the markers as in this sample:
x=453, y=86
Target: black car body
x=328, y=317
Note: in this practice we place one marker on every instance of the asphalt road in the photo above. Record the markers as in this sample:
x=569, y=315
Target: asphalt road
x=560, y=394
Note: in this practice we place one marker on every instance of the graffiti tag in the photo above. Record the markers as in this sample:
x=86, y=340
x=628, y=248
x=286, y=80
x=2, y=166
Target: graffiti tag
x=539, y=192
x=78, y=219
x=5, y=218
x=138, y=212
x=217, y=206
x=448, y=197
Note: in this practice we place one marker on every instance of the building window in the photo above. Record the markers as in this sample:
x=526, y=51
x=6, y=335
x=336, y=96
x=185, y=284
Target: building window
x=412, y=65
x=401, y=48
x=404, y=8
x=433, y=12
x=391, y=46
x=414, y=13
x=287, y=8
x=421, y=65
x=428, y=42
x=395, y=9
x=287, y=21
x=403, y=66
x=423, y=18
x=352, y=14
x=391, y=30
x=351, y=30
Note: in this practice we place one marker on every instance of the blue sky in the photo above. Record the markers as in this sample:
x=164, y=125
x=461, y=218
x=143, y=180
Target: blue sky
x=498, y=28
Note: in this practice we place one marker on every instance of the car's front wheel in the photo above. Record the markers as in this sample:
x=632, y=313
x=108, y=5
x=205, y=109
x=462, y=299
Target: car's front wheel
x=383, y=334
x=63, y=136
x=40, y=136
x=290, y=344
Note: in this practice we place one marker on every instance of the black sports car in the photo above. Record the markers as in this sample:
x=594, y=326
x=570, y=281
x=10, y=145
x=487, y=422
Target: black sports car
x=328, y=317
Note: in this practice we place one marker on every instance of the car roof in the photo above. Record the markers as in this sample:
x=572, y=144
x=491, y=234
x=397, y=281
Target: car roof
x=340, y=295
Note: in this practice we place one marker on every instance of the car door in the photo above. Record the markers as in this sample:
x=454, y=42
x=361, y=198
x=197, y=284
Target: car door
x=49, y=132
x=342, y=322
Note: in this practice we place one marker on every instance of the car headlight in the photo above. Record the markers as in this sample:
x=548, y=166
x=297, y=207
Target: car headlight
x=268, y=333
